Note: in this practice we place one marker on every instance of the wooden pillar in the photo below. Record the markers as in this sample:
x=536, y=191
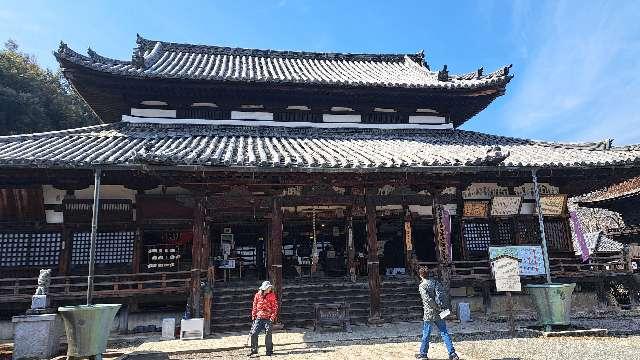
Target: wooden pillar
x=274, y=252
x=64, y=265
x=138, y=241
x=208, y=300
x=373, y=264
x=351, y=250
x=198, y=255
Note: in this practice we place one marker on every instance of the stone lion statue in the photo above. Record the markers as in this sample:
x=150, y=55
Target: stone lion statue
x=44, y=280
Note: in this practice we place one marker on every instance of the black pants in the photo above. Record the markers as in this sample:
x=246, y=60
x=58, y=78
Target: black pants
x=256, y=328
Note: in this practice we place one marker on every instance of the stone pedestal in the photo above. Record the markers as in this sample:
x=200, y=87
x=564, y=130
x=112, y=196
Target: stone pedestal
x=39, y=302
x=36, y=336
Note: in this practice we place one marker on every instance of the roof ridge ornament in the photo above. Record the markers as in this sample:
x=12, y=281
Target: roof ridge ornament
x=505, y=70
x=495, y=156
x=479, y=72
x=63, y=47
x=137, y=59
x=443, y=75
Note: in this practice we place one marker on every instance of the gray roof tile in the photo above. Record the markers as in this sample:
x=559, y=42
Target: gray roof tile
x=303, y=147
x=202, y=62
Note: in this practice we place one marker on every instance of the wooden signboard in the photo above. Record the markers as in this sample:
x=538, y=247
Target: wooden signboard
x=505, y=205
x=476, y=209
x=531, y=260
x=553, y=205
x=506, y=271
x=332, y=314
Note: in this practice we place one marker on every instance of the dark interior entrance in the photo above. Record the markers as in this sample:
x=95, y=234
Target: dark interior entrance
x=423, y=240
x=391, y=245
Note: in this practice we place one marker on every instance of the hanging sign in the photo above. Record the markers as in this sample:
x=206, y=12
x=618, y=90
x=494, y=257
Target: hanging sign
x=531, y=259
x=476, y=209
x=407, y=236
x=506, y=272
x=484, y=191
x=443, y=222
x=526, y=190
x=505, y=205
x=553, y=204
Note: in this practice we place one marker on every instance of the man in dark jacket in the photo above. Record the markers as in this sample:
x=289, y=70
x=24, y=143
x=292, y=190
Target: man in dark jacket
x=435, y=302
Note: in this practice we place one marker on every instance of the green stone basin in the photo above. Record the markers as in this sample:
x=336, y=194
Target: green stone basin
x=87, y=328
x=553, y=302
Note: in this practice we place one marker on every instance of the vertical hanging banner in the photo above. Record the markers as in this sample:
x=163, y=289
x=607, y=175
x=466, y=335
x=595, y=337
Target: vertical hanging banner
x=577, y=228
x=444, y=234
x=446, y=220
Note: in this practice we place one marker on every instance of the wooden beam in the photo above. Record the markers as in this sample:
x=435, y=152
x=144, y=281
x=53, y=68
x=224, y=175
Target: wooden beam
x=274, y=252
x=373, y=265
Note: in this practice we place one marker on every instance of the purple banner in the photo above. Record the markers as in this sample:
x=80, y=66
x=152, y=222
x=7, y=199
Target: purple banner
x=446, y=220
x=584, y=249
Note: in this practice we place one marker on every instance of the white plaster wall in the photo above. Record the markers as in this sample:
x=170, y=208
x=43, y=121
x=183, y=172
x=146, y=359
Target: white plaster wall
x=107, y=192
x=426, y=119
x=52, y=195
x=153, y=113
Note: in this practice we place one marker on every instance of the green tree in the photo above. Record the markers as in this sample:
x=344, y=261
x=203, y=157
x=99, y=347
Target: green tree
x=33, y=99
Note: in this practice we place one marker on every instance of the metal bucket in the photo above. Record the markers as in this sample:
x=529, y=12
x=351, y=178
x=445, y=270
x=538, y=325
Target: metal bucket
x=87, y=328
x=553, y=302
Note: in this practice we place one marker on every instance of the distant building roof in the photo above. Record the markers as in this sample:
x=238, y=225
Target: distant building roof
x=248, y=144
x=621, y=190
x=598, y=242
x=167, y=60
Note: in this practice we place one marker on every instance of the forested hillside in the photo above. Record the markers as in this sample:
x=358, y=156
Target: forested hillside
x=33, y=99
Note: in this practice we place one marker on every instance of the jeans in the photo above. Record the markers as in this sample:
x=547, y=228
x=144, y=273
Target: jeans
x=426, y=332
x=256, y=328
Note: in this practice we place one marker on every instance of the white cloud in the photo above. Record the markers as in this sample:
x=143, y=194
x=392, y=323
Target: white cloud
x=580, y=80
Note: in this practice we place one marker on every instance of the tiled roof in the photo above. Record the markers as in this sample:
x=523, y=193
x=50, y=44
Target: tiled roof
x=128, y=143
x=158, y=59
x=620, y=190
x=597, y=242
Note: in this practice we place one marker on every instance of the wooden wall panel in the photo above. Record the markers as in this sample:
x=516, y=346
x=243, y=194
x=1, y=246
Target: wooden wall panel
x=22, y=205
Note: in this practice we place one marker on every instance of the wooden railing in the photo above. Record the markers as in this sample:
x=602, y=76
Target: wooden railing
x=466, y=269
x=105, y=286
x=480, y=270
x=595, y=265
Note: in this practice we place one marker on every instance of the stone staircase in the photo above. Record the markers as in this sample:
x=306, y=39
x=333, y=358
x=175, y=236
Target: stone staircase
x=232, y=305
x=399, y=298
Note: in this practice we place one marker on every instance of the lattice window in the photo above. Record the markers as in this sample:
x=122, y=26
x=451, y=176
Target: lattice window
x=502, y=233
x=528, y=231
x=555, y=230
x=29, y=249
x=384, y=118
x=111, y=247
x=477, y=238
x=203, y=113
x=297, y=116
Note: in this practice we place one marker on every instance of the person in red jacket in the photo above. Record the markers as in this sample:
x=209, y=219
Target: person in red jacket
x=263, y=313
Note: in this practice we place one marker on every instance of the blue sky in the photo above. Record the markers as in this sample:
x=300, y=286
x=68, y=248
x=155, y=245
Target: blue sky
x=576, y=63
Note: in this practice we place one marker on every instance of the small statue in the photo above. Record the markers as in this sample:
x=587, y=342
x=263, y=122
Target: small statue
x=44, y=280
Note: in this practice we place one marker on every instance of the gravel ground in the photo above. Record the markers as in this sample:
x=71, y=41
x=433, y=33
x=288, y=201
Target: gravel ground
x=553, y=348
x=471, y=349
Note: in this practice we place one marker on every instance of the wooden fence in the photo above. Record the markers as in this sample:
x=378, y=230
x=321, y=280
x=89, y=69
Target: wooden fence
x=105, y=286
